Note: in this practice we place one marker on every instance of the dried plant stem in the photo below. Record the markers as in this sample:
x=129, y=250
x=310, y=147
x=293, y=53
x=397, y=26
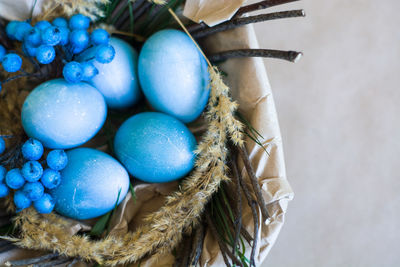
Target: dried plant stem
x=234, y=23
x=291, y=56
x=34, y=260
x=261, y=5
x=254, y=181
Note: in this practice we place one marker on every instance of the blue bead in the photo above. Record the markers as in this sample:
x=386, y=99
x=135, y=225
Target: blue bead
x=4, y=190
x=60, y=22
x=73, y=72
x=155, y=147
x=33, y=191
x=42, y=25
x=3, y=172
x=173, y=75
x=32, y=149
x=21, y=200
x=11, y=29
x=33, y=37
x=79, y=40
x=105, y=54
x=45, y=204
x=89, y=71
x=57, y=159
x=64, y=32
x=79, y=22
x=63, y=115
x=32, y=171
x=117, y=80
x=87, y=189
x=12, y=62
x=51, y=178
x=14, y=179
x=51, y=36
x=21, y=30
x=2, y=52
x=29, y=50
x=2, y=145
x=45, y=54
x=99, y=36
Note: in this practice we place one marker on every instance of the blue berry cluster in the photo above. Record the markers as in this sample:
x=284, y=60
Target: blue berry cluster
x=67, y=38
x=31, y=181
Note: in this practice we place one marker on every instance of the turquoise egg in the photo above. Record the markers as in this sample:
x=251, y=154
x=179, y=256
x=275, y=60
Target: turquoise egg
x=173, y=75
x=155, y=147
x=117, y=80
x=90, y=184
x=63, y=115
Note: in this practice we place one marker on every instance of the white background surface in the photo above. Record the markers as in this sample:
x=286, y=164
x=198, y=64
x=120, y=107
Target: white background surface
x=339, y=111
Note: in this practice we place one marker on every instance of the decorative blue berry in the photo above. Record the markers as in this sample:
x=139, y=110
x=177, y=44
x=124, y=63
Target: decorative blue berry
x=14, y=179
x=45, y=54
x=51, y=36
x=57, y=159
x=3, y=172
x=89, y=71
x=11, y=29
x=42, y=25
x=64, y=35
x=33, y=37
x=105, y=53
x=79, y=22
x=60, y=22
x=12, y=62
x=29, y=50
x=32, y=149
x=33, y=191
x=21, y=200
x=2, y=52
x=99, y=36
x=2, y=145
x=79, y=40
x=51, y=178
x=4, y=190
x=32, y=171
x=73, y=72
x=45, y=204
x=21, y=30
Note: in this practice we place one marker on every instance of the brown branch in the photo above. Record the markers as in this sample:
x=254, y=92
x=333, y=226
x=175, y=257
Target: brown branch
x=182, y=257
x=261, y=5
x=34, y=260
x=55, y=262
x=234, y=23
x=197, y=246
x=196, y=27
x=291, y=56
x=238, y=219
x=254, y=181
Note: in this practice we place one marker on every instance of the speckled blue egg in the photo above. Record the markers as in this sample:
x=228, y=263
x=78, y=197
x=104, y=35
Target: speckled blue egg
x=155, y=147
x=173, y=75
x=90, y=184
x=117, y=80
x=63, y=115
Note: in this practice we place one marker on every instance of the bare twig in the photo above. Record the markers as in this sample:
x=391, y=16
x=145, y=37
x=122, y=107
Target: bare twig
x=254, y=181
x=261, y=5
x=55, y=262
x=234, y=23
x=197, y=246
x=291, y=56
x=30, y=261
x=238, y=219
x=196, y=27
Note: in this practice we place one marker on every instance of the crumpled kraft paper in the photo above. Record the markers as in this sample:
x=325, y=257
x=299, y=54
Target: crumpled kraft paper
x=250, y=87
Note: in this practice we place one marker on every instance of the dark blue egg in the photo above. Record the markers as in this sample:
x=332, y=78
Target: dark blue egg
x=173, y=75
x=117, y=80
x=90, y=184
x=155, y=147
x=63, y=115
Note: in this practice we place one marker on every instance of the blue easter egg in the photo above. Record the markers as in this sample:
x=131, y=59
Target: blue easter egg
x=63, y=115
x=155, y=147
x=173, y=75
x=117, y=80
x=90, y=184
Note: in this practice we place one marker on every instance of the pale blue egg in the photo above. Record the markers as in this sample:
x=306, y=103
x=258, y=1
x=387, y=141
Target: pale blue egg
x=63, y=115
x=155, y=147
x=117, y=80
x=90, y=184
x=173, y=75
